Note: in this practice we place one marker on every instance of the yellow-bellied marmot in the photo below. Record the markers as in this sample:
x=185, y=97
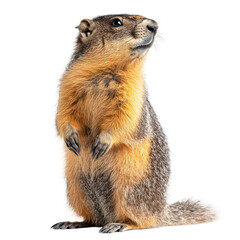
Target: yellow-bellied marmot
x=117, y=160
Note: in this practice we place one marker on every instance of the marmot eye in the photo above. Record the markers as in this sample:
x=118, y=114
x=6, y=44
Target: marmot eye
x=116, y=22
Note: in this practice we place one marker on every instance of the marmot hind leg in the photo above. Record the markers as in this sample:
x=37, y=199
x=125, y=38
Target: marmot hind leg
x=71, y=225
x=130, y=225
x=114, y=227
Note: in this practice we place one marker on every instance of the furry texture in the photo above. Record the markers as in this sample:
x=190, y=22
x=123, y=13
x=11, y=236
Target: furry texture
x=103, y=101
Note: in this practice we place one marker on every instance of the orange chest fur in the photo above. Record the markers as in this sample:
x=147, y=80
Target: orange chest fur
x=104, y=98
x=99, y=97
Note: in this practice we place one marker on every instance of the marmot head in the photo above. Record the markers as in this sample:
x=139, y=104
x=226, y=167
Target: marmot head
x=116, y=37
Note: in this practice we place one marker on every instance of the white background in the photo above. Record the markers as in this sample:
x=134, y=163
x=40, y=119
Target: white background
x=193, y=79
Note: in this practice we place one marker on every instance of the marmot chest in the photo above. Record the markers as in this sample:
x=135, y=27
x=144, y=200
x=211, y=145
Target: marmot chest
x=99, y=98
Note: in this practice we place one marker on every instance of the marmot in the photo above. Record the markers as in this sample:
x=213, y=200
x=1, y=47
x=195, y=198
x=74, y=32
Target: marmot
x=117, y=158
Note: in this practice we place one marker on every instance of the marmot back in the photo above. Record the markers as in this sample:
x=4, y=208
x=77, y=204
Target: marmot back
x=117, y=158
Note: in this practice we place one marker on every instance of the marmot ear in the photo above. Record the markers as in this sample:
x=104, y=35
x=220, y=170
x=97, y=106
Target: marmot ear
x=86, y=28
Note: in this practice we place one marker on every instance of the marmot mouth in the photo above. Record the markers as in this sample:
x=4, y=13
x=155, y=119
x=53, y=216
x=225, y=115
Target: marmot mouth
x=142, y=47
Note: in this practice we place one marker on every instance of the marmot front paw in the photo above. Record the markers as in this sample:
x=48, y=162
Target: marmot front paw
x=73, y=143
x=101, y=145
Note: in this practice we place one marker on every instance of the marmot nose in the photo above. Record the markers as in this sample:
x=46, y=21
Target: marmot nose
x=152, y=26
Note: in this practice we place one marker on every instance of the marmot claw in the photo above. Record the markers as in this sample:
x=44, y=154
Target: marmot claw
x=101, y=145
x=73, y=143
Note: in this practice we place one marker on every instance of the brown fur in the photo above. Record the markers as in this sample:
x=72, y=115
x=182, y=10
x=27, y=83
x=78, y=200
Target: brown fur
x=103, y=100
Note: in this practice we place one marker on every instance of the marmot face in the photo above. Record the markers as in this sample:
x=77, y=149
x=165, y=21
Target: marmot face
x=123, y=36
